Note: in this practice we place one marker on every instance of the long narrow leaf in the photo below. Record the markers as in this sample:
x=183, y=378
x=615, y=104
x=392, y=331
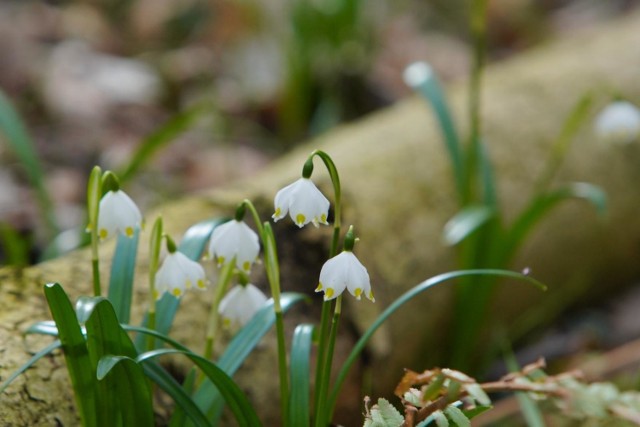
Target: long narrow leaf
x=39, y=355
x=403, y=299
x=183, y=401
x=162, y=136
x=300, y=374
x=105, y=337
x=465, y=222
x=122, y=271
x=20, y=142
x=572, y=124
x=207, y=397
x=545, y=202
x=76, y=353
x=132, y=388
x=235, y=398
x=421, y=78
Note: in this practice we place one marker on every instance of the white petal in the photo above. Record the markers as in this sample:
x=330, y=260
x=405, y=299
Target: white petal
x=178, y=273
x=117, y=213
x=304, y=203
x=241, y=303
x=282, y=201
x=619, y=122
x=344, y=271
x=235, y=239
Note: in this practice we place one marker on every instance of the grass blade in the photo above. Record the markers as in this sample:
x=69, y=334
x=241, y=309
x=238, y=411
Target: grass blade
x=131, y=389
x=122, y=274
x=20, y=142
x=39, y=355
x=183, y=401
x=465, y=222
x=545, y=202
x=76, y=353
x=162, y=136
x=105, y=337
x=421, y=78
x=235, y=398
x=300, y=373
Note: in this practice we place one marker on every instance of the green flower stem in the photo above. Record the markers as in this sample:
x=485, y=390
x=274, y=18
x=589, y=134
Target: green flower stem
x=325, y=350
x=155, y=243
x=214, y=317
x=94, y=193
x=272, y=268
x=322, y=415
x=478, y=30
x=273, y=274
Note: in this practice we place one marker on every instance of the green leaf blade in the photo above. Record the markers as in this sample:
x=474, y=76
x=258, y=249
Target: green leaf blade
x=235, y=398
x=76, y=353
x=300, y=369
x=122, y=274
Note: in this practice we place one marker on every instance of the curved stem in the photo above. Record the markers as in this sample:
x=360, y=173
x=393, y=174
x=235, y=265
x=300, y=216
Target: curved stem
x=326, y=343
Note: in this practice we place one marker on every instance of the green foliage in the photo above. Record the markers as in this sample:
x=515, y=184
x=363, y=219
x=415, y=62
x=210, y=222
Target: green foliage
x=163, y=136
x=483, y=239
x=19, y=141
x=383, y=414
x=299, y=409
x=121, y=281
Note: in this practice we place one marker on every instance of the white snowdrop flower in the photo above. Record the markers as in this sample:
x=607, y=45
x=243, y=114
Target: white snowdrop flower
x=117, y=213
x=304, y=203
x=177, y=274
x=234, y=239
x=240, y=304
x=344, y=271
x=619, y=123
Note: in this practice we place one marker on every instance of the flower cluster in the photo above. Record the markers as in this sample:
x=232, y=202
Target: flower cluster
x=305, y=203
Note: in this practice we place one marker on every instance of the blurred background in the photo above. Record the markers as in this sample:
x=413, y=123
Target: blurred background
x=189, y=94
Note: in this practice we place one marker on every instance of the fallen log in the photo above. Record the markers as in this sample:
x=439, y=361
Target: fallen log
x=398, y=193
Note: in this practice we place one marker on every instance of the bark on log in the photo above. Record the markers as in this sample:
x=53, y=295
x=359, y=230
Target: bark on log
x=398, y=193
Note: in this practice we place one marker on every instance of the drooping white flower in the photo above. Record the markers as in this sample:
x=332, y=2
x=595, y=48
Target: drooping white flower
x=235, y=239
x=240, y=304
x=304, y=203
x=117, y=213
x=344, y=271
x=177, y=274
x=619, y=122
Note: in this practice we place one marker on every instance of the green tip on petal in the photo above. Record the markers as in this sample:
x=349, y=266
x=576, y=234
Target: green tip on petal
x=328, y=294
x=300, y=220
